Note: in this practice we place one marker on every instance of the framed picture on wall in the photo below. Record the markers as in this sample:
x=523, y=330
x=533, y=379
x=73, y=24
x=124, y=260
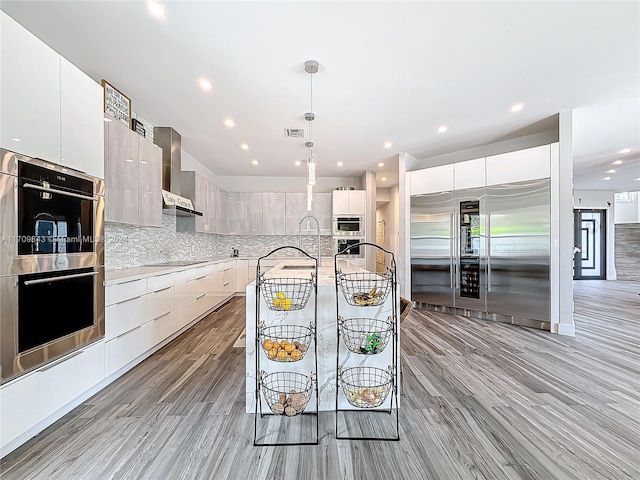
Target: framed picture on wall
x=116, y=103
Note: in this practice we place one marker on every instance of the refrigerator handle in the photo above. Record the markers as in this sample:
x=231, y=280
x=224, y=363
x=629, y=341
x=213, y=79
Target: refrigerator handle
x=456, y=250
x=488, y=251
x=452, y=250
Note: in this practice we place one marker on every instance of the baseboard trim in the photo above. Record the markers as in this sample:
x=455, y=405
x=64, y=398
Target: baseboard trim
x=567, y=330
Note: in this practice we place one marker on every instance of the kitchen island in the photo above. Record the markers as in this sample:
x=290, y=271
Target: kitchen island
x=326, y=333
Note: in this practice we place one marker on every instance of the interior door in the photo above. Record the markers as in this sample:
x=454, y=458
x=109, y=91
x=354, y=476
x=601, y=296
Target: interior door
x=432, y=219
x=589, y=260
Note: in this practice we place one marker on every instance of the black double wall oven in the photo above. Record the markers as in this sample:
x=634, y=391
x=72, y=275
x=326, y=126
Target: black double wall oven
x=51, y=262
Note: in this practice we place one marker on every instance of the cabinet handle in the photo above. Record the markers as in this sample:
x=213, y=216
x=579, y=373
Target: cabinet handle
x=130, y=331
x=196, y=279
x=129, y=300
x=488, y=251
x=198, y=298
x=33, y=186
x=162, y=289
x=51, y=365
x=226, y=284
x=162, y=316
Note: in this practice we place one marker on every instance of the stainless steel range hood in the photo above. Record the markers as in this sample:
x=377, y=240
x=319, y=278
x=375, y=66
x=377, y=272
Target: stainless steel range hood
x=170, y=142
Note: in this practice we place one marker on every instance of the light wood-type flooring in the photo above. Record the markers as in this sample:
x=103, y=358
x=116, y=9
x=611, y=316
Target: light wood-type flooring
x=483, y=400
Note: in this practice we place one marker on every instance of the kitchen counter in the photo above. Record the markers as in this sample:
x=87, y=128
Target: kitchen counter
x=114, y=277
x=325, y=327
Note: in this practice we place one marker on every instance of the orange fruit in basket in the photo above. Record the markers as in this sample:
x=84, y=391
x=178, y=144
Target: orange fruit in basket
x=289, y=347
x=284, y=343
x=282, y=355
x=272, y=353
x=296, y=355
x=266, y=344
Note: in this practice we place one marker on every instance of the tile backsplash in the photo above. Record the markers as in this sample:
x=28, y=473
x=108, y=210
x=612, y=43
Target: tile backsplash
x=128, y=246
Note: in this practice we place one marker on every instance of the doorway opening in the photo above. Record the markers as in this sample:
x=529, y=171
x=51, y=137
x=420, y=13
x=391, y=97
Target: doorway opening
x=590, y=254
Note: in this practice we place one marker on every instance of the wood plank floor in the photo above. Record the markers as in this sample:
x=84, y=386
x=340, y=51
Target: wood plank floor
x=483, y=400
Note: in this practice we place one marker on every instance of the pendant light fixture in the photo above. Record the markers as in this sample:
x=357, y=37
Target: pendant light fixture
x=311, y=67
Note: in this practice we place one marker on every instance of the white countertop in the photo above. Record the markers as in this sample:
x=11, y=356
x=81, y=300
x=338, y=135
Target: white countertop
x=326, y=273
x=113, y=277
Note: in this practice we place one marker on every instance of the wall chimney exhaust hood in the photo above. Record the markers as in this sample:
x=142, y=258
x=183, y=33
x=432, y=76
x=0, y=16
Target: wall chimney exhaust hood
x=171, y=144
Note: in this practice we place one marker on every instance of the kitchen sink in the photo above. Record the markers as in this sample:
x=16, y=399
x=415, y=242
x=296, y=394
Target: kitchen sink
x=298, y=267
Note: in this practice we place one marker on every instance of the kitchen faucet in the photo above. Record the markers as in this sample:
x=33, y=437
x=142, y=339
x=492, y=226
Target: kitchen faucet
x=307, y=218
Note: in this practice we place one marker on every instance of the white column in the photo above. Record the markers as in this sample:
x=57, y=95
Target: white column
x=562, y=229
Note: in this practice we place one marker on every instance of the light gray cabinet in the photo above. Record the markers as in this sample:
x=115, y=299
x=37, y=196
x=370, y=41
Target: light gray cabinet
x=296, y=209
x=322, y=207
x=149, y=183
x=221, y=211
x=121, y=173
x=200, y=191
x=232, y=213
x=250, y=213
x=273, y=213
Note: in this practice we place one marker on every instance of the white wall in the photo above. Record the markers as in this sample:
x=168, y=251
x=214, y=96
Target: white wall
x=601, y=200
x=628, y=212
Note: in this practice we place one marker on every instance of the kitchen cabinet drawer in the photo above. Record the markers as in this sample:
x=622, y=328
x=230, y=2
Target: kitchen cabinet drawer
x=229, y=280
x=123, y=349
x=125, y=291
x=160, y=282
x=199, y=272
x=160, y=328
x=215, y=281
x=124, y=316
x=30, y=399
x=159, y=302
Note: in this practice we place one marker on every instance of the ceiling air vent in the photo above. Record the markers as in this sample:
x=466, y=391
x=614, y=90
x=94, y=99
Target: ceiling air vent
x=294, y=132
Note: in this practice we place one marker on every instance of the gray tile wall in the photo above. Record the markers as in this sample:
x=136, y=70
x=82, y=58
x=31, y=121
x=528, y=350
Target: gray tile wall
x=128, y=246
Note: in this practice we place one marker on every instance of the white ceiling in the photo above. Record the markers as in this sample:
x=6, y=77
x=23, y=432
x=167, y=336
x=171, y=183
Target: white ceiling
x=389, y=71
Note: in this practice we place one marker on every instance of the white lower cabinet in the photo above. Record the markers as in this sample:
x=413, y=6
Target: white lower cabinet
x=125, y=348
x=160, y=328
x=31, y=399
x=124, y=316
x=242, y=275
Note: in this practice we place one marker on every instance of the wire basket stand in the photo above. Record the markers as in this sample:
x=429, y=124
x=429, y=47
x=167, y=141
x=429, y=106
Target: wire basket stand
x=287, y=394
x=366, y=336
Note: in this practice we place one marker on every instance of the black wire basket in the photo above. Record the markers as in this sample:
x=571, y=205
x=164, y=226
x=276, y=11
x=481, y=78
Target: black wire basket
x=286, y=343
x=365, y=289
x=365, y=336
x=366, y=387
x=286, y=294
x=286, y=393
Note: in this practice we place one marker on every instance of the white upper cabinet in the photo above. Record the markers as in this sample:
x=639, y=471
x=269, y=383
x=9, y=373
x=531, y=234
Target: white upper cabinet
x=322, y=209
x=432, y=180
x=149, y=183
x=232, y=213
x=221, y=211
x=469, y=174
x=349, y=202
x=296, y=209
x=273, y=213
x=250, y=213
x=528, y=164
x=29, y=93
x=81, y=104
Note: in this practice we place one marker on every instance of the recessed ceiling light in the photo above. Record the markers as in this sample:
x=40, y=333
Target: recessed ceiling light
x=617, y=162
x=517, y=107
x=388, y=144
x=106, y=119
x=143, y=161
x=384, y=179
x=442, y=129
x=637, y=178
x=607, y=178
x=298, y=163
x=254, y=162
x=204, y=84
x=244, y=146
x=611, y=171
x=229, y=122
x=340, y=164
x=625, y=150
x=156, y=9
x=16, y=139
x=128, y=160
x=381, y=164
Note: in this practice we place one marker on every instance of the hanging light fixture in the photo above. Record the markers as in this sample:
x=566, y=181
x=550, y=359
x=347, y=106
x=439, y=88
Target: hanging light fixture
x=311, y=67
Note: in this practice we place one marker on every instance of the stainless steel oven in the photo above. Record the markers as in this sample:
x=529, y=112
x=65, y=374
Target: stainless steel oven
x=51, y=262
x=348, y=226
x=354, y=251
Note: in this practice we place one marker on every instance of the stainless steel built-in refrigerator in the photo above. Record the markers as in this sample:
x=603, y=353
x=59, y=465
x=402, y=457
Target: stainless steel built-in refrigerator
x=484, y=252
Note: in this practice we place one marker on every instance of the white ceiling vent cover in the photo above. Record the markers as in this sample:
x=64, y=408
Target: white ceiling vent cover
x=294, y=132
